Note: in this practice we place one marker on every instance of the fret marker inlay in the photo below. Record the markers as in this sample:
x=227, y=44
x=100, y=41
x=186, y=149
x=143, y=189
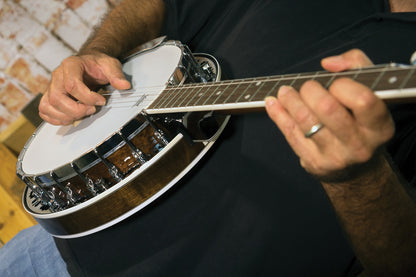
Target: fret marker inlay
x=392, y=80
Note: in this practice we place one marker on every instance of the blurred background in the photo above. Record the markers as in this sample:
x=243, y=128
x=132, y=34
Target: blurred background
x=35, y=36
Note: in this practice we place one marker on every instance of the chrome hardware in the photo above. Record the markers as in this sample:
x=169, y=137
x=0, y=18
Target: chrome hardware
x=160, y=135
x=47, y=198
x=136, y=152
x=65, y=189
x=112, y=169
x=88, y=182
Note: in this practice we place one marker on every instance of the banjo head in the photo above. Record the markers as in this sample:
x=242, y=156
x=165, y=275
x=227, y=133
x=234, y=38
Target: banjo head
x=52, y=146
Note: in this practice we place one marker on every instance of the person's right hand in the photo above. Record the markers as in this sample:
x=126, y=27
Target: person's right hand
x=69, y=96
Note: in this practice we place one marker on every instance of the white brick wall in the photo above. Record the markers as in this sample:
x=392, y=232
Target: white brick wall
x=35, y=36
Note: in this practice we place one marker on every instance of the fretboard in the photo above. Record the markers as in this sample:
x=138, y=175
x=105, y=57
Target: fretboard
x=390, y=82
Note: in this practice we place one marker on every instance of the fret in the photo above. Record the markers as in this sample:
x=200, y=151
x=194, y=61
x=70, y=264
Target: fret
x=182, y=96
x=231, y=95
x=391, y=80
x=287, y=80
x=164, y=97
x=299, y=80
x=213, y=94
x=325, y=78
x=354, y=75
x=409, y=81
x=378, y=79
x=171, y=96
x=258, y=86
x=205, y=94
x=268, y=88
x=368, y=78
x=244, y=89
x=221, y=94
x=248, y=94
x=157, y=101
x=197, y=91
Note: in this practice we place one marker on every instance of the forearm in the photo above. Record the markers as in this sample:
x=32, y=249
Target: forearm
x=379, y=218
x=128, y=25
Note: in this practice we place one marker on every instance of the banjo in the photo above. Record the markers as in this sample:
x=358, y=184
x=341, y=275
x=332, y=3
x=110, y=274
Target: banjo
x=82, y=179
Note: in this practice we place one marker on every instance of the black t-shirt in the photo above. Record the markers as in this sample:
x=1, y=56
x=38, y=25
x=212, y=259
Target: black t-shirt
x=248, y=208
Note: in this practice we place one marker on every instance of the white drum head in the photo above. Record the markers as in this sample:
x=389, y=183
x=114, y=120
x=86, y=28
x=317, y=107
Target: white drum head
x=55, y=146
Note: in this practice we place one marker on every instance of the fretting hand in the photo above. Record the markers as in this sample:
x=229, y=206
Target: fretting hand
x=351, y=122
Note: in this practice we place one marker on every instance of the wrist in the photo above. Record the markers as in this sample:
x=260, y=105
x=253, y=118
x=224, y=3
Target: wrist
x=356, y=173
x=97, y=50
x=363, y=184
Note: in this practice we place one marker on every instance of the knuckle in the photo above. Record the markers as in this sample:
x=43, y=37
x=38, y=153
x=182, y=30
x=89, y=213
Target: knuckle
x=358, y=58
x=328, y=106
x=360, y=152
x=307, y=86
x=366, y=100
x=53, y=100
x=42, y=106
x=69, y=61
x=288, y=129
x=355, y=53
x=339, y=84
x=42, y=115
x=69, y=86
x=302, y=115
x=78, y=114
x=56, y=74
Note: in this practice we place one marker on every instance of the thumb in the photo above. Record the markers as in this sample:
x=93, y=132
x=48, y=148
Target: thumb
x=116, y=77
x=120, y=82
x=108, y=70
x=351, y=59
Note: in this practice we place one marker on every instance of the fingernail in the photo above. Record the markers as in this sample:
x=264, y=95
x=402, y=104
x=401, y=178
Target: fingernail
x=91, y=110
x=100, y=103
x=270, y=100
x=333, y=59
x=284, y=89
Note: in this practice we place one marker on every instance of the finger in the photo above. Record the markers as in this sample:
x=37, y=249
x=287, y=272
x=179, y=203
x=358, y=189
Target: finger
x=105, y=69
x=290, y=99
x=303, y=147
x=73, y=83
x=52, y=115
x=57, y=99
x=368, y=110
x=114, y=74
x=55, y=120
x=286, y=123
x=63, y=108
x=352, y=59
x=328, y=109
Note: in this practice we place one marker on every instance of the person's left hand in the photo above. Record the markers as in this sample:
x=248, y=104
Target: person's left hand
x=355, y=121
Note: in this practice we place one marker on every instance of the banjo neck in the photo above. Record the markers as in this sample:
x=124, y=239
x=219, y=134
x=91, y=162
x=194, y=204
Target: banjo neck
x=390, y=82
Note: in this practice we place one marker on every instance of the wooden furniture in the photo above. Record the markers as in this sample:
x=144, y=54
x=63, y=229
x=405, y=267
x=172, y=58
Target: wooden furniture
x=13, y=217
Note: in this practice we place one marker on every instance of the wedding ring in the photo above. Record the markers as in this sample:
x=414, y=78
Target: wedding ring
x=314, y=129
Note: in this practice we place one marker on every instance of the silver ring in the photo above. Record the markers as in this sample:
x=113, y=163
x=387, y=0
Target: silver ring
x=314, y=129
